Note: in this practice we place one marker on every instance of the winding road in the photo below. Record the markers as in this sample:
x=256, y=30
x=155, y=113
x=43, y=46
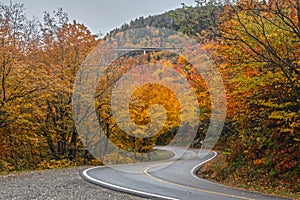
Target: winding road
x=171, y=179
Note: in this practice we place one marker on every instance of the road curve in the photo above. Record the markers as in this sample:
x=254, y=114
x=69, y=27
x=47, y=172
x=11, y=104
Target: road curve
x=171, y=179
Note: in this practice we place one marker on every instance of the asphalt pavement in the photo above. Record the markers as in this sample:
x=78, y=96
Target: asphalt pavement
x=170, y=179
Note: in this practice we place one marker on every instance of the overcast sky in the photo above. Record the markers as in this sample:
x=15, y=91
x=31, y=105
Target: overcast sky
x=102, y=15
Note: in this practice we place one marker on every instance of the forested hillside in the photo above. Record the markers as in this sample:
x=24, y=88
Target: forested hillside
x=255, y=45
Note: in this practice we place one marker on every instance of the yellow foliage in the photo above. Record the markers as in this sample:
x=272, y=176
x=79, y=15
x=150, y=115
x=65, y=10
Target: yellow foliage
x=259, y=161
x=53, y=164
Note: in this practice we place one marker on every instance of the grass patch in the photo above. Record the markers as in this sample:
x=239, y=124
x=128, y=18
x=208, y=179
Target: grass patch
x=159, y=155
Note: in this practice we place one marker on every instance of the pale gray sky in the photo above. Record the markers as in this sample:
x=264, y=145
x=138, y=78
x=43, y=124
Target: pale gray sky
x=102, y=15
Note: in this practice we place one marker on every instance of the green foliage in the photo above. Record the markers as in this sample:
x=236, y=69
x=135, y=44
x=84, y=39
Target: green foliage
x=193, y=21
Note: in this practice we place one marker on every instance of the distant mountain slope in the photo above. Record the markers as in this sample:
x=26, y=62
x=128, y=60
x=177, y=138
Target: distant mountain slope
x=189, y=20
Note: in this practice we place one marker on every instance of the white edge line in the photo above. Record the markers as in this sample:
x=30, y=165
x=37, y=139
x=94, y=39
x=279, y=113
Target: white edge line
x=145, y=172
x=193, y=172
x=197, y=166
x=123, y=188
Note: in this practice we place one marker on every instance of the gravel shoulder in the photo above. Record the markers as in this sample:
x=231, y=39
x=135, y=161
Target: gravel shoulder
x=55, y=184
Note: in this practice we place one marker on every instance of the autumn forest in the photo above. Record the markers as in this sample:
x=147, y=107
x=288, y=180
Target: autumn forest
x=255, y=46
